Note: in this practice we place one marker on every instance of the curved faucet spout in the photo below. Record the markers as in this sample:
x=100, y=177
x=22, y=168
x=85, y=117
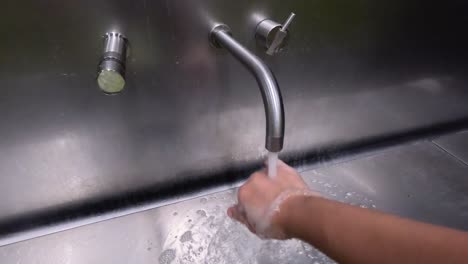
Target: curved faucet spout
x=274, y=111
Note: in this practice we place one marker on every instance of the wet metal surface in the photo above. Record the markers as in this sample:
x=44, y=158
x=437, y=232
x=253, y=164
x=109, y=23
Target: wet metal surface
x=455, y=144
x=417, y=180
x=191, y=119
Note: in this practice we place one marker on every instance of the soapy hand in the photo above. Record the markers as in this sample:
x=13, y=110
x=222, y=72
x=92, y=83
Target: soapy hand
x=260, y=200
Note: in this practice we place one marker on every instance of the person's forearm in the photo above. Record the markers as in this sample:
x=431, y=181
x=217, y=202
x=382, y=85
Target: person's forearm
x=351, y=234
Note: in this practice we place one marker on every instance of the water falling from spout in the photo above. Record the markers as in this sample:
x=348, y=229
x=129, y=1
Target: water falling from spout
x=272, y=164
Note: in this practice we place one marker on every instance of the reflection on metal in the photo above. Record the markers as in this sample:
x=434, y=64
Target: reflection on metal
x=272, y=35
x=455, y=144
x=348, y=86
x=221, y=37
x=111, y=75
x=412, y=188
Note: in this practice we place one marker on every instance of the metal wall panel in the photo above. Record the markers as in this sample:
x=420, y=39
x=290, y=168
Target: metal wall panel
x=191, y=116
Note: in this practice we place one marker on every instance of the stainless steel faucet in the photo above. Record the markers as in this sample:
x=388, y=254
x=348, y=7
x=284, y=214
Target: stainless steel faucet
x=221, y=37
x=272, y=35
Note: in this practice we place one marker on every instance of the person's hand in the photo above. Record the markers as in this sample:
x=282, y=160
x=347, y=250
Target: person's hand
x=261, y=197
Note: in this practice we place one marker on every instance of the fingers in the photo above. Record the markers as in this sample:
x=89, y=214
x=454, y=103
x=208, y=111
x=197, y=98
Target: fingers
x=230, y=212
x=236, y=213
x=246, y=190
x=283, y=166
x=263, y=170
x=262, y=173
x=259, y=175
x=279, y=162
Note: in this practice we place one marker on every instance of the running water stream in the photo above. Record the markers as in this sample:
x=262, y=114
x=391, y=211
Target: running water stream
x=272, y=164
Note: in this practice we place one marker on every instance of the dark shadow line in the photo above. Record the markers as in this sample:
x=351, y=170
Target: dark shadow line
x=195, y=181
x=450, y=154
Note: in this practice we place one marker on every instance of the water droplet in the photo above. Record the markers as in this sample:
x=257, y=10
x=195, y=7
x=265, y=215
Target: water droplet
x=349, y=194
x=187, y=236
x=167, y=256
x=202, y=213
x=200, y=249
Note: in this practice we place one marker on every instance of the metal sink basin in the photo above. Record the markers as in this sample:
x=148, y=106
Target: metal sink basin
x=356, y=77
x=419, y=180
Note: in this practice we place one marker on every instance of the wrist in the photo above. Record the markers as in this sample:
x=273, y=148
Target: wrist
x=287, y=213
x=291, y=210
